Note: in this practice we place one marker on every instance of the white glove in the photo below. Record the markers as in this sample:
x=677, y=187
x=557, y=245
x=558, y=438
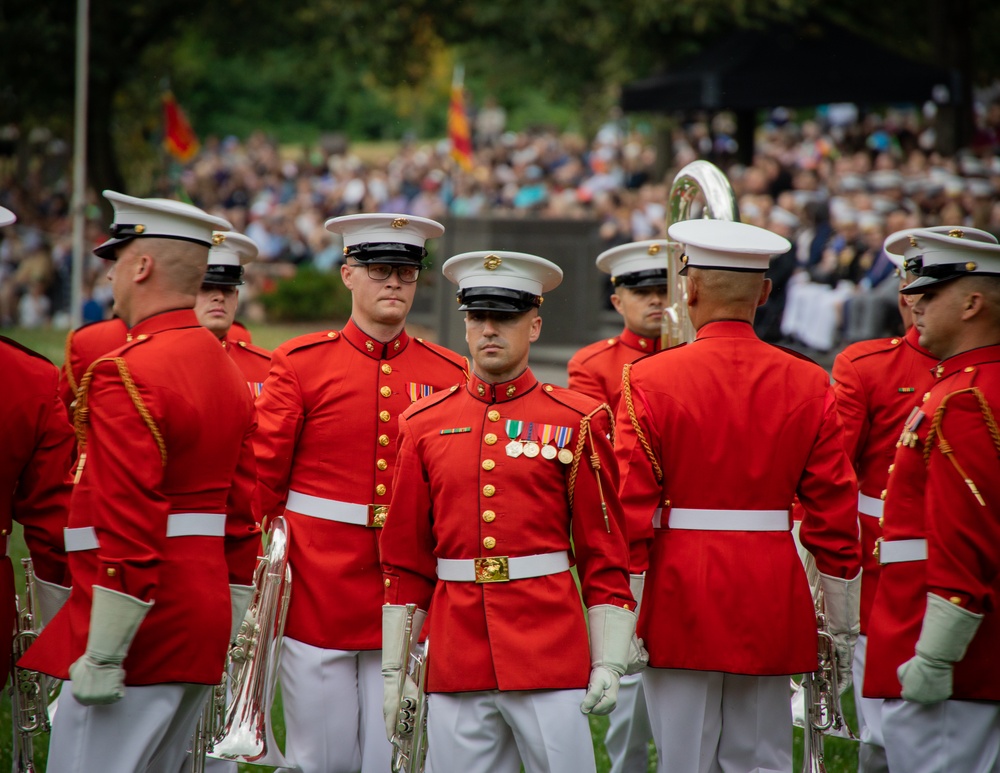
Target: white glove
x=240, y=597
x=611, y=632
x=97, y=675
x=842, y=607
x=395, y=657
x=638, y=658
x=944, y=638
x=50, y=598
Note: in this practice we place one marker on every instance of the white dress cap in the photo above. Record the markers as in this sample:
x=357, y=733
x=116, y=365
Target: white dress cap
x=899, y=246
x=229, y=253
x=385, y=238
x=636, y=264
x=7, y=217
x=163, y=218
x=725, y=244
x=946, y=253
x=501, y=280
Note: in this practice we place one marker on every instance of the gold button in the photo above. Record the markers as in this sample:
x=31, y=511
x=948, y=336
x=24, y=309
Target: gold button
x=386, y=368
x=493, y=415
x=385, y=391
x=490, y=439
x=892, y=467
x=955, y=600
x=387, y=582
x=3, y=532
x=489, y=464
x=380, y=489
x=883, y=494
x=927, y=396
x=489, y=516
x=489, y=543
x=382, y=464
x=611, y=341
x=547, y=387
x=489, y=490
x=881, y=522
x=626, y=606
x=969, y=369
x=383, y=440
x=332, y=334
x=894, y=341
x=384, y=416
x=142, y=337
x=112, y=572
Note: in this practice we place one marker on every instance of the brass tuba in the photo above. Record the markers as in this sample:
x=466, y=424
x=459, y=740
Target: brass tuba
x=409, y=742
x=241, y=729
x=720, y=204
x=29, y=697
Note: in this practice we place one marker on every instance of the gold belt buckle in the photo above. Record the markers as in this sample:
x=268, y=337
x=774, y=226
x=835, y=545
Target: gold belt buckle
x=492, y=569
x=377, y=515
x=878, y=549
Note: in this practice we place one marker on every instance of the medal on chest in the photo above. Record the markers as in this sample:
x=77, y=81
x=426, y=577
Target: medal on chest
x=548, y=451
x=908, y=437
x=531, y=449
x=563, y=436
x=514, y=448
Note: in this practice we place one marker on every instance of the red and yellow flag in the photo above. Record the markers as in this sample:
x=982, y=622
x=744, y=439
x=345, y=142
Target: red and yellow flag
x=179, y=138
x=458, y=123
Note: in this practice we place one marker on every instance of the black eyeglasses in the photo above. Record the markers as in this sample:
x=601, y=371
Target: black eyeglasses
x=382, y=271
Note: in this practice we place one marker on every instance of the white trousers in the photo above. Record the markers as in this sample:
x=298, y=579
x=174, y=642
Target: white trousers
x=629, y=734
x=871, y=751
x=711, y=722
x=945, y=737
x=149, y=730
x=333, y=709
x=495, y=732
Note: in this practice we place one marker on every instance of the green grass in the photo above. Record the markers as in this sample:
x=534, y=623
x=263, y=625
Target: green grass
x=841, y=755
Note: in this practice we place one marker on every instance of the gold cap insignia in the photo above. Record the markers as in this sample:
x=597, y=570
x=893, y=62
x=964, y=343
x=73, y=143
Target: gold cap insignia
x=913, y=241
x=400, y=222
x=346, y=249
x=139, y=228
x=956, y=233
x=218, y=239
x=970, y=266
x=492, y=262
x=653, y=249
x=684, y=259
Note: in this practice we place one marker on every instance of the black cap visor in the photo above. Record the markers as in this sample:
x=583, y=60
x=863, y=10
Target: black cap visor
x=653, y=277
x=497, y=299
x=389, y=253
x=230, y=276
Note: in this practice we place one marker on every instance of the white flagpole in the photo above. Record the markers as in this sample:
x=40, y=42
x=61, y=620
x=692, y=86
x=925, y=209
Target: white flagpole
x=79, y=199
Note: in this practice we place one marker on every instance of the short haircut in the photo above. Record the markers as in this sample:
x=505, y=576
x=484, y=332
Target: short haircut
x=729, y=287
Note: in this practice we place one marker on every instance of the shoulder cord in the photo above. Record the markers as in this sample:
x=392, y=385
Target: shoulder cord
x=627, y=395
x=82, y=415
x=595, y=461
x=945, y=447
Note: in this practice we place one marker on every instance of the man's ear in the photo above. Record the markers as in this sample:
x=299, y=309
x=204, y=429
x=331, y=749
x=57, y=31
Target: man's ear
x=765, y=292
x=536, y=329
x=973, y=305
x=692, y=289
x=143, y=267
x=345, y=276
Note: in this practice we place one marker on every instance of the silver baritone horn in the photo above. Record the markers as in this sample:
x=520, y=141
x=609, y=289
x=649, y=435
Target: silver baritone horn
x=409, y=742
x=29, y=697
x=240, y=730
x=720, y=204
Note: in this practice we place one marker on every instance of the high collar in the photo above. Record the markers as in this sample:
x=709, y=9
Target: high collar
x=377, y=350
x=966, y=361
x=912, y=339
x=501, y=393
x=726, y=328
x=638, y=342
x=165, y=320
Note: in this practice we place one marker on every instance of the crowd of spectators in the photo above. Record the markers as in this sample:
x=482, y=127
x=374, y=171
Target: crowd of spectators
x=835, y=184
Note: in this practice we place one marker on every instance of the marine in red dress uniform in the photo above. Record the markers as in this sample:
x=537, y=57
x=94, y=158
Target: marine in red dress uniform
x=639, y=276
x=877, y=383
x=160, y=524
x=326, y=449
x=218, y=299
x=493, y=481
x=934, y=632
x=714, y=441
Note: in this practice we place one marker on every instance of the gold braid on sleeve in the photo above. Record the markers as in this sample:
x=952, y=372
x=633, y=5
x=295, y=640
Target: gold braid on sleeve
x=595, y=460
x=945, y=447
x=630, y=407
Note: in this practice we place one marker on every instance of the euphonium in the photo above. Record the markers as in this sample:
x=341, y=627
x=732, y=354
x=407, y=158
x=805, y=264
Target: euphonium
x=29, y=698
x=252, y=667
x=720, y=204
x=410, y=739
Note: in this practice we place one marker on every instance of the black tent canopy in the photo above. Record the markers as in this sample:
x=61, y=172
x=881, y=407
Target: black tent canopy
x=790, y=65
